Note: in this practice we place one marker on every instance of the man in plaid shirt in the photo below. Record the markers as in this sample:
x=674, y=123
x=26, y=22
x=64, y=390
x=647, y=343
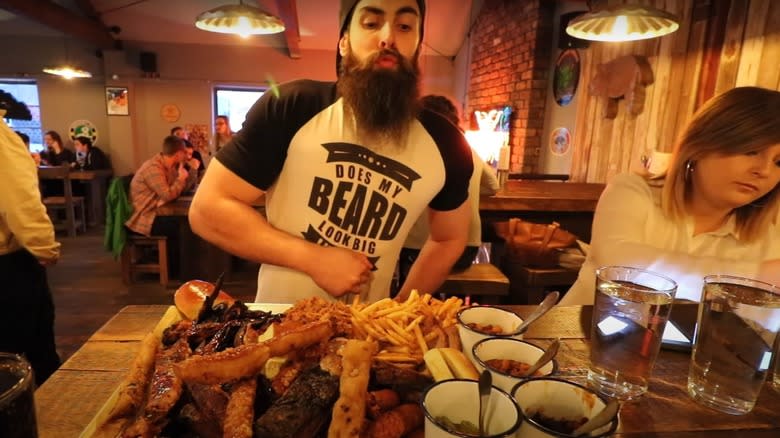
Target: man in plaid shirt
x=160, y=180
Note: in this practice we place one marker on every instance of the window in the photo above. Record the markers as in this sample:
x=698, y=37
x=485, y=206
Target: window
x=26, y=91
x=235, y=102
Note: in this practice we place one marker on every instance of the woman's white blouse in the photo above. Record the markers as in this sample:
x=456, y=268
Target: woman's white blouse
x=630, y=229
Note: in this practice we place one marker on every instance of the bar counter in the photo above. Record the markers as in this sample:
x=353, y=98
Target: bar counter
x=72, y=396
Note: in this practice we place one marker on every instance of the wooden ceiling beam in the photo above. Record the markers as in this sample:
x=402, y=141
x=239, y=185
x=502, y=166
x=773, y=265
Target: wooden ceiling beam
x=289, y=14
x=89, y=10
x=62, y=19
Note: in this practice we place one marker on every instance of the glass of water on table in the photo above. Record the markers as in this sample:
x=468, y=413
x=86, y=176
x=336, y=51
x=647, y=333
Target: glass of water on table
x=630, y=312
x=738, y=323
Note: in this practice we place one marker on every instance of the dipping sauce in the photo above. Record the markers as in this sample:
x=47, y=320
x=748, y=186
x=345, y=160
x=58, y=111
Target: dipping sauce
x=464, y=427
x=487, y=329
x=560, y=425
x=512, y=367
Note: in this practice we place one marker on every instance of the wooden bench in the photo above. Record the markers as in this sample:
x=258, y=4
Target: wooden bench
x=133, y=262
x=484, y=280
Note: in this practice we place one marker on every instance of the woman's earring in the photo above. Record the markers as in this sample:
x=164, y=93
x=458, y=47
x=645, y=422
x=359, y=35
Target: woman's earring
x=688, y=170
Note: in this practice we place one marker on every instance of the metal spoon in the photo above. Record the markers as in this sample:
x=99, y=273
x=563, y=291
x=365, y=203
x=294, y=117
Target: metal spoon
x=485, y=384
x=548, y=355
x=543, y=307
x=600, y=419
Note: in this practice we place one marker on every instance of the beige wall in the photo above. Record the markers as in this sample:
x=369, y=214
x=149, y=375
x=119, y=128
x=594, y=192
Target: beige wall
x=187, y=75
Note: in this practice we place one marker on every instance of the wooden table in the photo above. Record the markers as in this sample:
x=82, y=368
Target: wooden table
x=73, y=395
x=543, y=196
x=96, y=182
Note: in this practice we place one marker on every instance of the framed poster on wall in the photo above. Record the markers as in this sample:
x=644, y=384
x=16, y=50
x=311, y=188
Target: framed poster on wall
x=116, y=101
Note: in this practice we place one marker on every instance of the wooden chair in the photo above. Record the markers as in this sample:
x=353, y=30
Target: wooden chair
x=68, y=203
x=133, y=260
x=484, y=280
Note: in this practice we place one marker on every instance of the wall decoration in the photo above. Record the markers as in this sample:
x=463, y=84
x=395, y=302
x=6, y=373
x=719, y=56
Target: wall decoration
x=199, y=137
x=566, y=76
x=491, y=135
x=170, y=112
x=83, y=128
x=623, y=77
x=117, y=101
x=560, y=140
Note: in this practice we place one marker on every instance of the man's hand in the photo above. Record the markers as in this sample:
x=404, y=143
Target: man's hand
x=194, y=164
x=183, y=174
x=340, y=271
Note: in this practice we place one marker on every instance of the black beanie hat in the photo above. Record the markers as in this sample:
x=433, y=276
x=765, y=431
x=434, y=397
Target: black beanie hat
x=346, y=8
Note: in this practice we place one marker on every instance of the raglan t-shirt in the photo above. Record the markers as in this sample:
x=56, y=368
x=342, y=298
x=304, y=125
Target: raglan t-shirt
x=325, y=185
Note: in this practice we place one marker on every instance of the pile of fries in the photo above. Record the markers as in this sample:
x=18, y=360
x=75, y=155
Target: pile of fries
x=405, y=331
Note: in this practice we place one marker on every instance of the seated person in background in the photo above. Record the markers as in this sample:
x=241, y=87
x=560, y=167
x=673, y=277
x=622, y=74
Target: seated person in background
x=159, y=180
x=712, y=212
x=483, y=181
x=178, y=131
x=94, y=158
x=56, y=153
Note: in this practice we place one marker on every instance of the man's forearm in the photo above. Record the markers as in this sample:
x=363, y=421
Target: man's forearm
x=432, y=266
x=241, y=230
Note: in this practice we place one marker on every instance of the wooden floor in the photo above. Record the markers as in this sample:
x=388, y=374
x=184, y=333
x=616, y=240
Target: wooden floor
x=87, y=287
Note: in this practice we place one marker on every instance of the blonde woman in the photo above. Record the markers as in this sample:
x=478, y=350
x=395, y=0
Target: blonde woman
x=222, y=132
x=712, y=212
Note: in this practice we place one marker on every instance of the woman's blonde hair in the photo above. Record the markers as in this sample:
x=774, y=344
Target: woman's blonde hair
x=741, y=120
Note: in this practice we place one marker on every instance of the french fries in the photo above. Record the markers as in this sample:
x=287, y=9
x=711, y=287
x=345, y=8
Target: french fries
x=405, y=331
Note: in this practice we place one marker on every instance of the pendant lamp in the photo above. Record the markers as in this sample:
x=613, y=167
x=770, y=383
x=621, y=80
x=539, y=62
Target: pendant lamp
x=623, y=23
x=240, y=19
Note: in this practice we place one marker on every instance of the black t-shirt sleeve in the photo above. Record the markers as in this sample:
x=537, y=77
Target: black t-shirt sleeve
x=456, y=154
x=257, y=152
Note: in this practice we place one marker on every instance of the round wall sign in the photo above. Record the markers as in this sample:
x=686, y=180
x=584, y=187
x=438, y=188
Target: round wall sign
x=83, y=128
x=560, y=140
x=566, y=76
x=170, y=112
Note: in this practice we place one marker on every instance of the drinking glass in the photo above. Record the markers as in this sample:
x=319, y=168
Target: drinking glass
x=629, y=315
x=737, y=326
x=17, y=409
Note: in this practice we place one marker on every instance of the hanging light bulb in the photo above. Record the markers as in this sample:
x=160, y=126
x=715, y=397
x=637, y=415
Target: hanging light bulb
x=240, y=19
x=623, y=23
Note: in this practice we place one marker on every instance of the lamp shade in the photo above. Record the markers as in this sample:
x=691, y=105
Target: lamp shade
x=623, y=23
x=67, y=72
x=239, y=19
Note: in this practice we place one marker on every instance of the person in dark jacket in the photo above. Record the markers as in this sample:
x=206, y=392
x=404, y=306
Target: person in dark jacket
x=94, y=158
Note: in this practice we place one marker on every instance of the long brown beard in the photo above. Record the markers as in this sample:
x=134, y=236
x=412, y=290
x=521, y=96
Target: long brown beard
x=384, y=102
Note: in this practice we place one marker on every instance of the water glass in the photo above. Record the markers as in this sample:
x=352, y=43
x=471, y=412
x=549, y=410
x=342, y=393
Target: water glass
x=629, y=315
x=17, y=409
x=737, y=327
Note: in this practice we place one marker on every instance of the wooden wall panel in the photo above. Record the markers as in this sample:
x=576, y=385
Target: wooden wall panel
x=720, y=44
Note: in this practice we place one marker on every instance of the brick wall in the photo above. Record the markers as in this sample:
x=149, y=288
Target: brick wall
x=510, y=57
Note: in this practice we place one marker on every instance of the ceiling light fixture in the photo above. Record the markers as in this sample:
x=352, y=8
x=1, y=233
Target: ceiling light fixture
x=239, y=19
x=623, y=23
x=68, y=72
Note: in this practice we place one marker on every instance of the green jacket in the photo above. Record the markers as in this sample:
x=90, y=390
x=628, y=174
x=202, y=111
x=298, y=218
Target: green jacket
x=118, y=210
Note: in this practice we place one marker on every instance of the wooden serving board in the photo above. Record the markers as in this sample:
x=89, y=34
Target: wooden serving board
x=171, y=316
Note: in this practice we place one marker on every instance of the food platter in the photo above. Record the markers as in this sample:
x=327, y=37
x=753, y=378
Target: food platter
x=347, y=345
x=170, y=316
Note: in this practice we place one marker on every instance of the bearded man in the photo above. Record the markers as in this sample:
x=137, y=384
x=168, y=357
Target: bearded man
x=346, y=168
